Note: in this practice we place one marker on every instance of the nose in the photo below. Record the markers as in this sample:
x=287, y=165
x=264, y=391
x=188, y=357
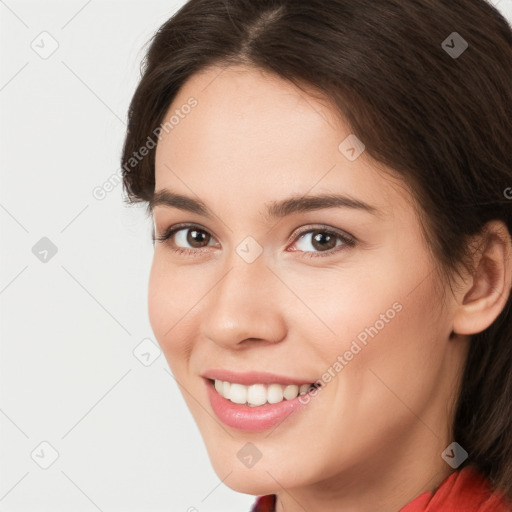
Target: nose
x=246, y=305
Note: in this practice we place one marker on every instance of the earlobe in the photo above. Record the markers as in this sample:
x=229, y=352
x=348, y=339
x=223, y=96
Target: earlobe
x=488, y=289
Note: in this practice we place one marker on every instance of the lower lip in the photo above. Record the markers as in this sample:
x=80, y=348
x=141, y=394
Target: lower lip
x=251, y=419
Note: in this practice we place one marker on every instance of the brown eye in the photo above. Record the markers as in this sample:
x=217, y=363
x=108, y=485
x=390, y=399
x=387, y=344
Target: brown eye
x=322, y=242
x=185, y=239
x=197, y=237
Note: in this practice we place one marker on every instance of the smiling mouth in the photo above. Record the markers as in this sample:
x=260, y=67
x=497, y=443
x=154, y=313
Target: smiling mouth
x=257, y=395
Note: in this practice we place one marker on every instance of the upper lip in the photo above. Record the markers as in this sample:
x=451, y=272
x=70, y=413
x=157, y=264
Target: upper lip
x=253, y=377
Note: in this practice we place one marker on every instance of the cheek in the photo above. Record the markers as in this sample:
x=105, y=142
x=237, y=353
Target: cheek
x=392, y=351
x=388, y=373
x=169, y=302
x=387, y=334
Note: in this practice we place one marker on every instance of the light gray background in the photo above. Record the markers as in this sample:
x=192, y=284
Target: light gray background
x=71, y=323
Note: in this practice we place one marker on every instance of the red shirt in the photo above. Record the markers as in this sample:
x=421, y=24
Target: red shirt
x=462, y=491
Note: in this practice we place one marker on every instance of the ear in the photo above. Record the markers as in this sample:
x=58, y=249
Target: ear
x=485, y=292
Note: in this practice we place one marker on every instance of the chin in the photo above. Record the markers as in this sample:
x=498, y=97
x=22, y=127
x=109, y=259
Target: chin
x=257, y=480
x=248, y=482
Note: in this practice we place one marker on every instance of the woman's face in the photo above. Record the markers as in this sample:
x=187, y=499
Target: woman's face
x=306, y=291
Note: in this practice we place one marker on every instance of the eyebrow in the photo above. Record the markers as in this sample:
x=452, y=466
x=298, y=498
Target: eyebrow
x=274, y=209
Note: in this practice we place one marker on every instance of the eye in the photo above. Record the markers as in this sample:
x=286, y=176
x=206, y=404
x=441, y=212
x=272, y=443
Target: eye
x=190, y=239
x=322, y=240
x=182, y=235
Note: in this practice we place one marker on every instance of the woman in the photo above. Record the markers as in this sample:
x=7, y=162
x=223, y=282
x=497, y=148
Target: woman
x=330, y=185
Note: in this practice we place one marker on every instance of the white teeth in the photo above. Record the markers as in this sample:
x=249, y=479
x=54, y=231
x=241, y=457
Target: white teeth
x=238, y=393
x=225, y=389
x=259, y=394
x=290, y=392
x=275, y=393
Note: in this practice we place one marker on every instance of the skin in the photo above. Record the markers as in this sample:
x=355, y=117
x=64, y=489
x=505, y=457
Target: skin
x=372, y=437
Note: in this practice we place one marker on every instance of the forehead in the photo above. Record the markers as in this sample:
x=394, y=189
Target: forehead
x=260, y=135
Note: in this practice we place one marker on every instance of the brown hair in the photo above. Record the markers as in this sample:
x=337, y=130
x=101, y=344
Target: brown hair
x=441, y=120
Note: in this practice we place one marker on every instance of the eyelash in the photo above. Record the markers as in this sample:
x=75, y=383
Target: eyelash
x=347, y=240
